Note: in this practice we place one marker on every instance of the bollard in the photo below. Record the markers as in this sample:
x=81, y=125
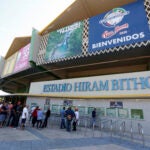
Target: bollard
x=100, y=128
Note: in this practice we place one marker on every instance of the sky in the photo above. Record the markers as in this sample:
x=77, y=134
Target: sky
x=18, y=17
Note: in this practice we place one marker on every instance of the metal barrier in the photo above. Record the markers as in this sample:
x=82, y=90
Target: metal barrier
x=122, y=129
x=93, y=128
x=54, y=121
x=111, y=125
x=104, y=125
x=131, y=131
x=141, y=133
x=85, y=126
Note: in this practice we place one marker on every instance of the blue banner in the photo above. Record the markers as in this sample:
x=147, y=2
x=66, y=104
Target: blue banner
x=118, y=27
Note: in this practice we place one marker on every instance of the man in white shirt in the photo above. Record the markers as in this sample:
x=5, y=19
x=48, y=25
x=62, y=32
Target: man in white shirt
x=24, y=116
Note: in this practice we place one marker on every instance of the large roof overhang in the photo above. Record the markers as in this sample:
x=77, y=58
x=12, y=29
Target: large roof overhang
x=82, y=9
x=23, y=79
x=17, y=44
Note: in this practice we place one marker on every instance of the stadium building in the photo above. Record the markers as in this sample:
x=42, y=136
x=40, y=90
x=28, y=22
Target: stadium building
x=94, y=54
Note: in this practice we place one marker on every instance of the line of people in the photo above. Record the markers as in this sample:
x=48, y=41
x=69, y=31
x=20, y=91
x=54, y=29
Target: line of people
x=15, y=115
x=10, y=114
x=37, y=117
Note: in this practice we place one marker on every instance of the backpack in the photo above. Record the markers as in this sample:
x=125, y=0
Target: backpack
x=69, y=117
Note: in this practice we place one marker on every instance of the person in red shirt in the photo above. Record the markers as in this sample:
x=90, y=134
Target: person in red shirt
x=34, y=116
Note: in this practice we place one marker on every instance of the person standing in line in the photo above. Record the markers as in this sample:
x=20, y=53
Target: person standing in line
x=30, y=112
x=75, y=122
x=18, y=109
x=69, y=116
x=24, y=116
x=47, y=115
x=39, y=118
x=10, y=114
x=62, y=115
x=3, y=114
x=13, y=117
x=94, y=116
x=34, y=116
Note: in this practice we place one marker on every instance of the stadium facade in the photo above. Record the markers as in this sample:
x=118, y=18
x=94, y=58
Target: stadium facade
x=95, y=54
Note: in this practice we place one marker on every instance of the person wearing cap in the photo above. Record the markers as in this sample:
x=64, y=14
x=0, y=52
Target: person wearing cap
x=76, y=119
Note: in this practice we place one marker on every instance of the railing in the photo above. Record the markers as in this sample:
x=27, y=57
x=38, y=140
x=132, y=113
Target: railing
x=113, y=126
x=131, y=131
x=141, y=133
x=122, y=129
x=103, y=124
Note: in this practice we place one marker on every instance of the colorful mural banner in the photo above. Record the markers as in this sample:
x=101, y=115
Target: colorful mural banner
x=118, y=27
x=22, y=61
x=65, y=42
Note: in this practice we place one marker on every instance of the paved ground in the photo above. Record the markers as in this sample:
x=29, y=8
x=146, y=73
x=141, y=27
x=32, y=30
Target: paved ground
x=60, y=139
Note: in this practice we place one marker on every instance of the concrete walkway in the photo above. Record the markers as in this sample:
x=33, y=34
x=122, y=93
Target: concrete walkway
x=60, y=139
